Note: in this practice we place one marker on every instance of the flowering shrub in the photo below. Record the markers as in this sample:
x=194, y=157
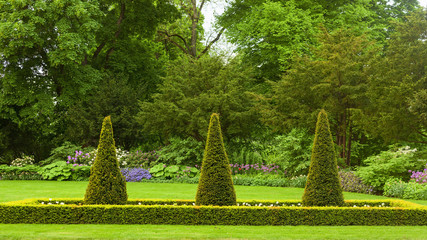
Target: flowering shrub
x=407, y=190
x=351, y=183
x=23, y=161
x=393, y=163
x=419, y=177
x=140, y=159
x=81, y=158
x=135, y=174
x=254, y=169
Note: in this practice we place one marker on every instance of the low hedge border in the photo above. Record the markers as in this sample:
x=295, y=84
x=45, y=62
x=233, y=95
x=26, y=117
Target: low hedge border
x=396, y=212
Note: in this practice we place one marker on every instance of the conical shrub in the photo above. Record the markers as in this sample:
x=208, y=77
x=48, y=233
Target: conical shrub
x=215, y=183
x=323, y=187
x=106, y=183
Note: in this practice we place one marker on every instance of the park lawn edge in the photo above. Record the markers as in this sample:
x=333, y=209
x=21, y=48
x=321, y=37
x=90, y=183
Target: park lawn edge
x=154, y=211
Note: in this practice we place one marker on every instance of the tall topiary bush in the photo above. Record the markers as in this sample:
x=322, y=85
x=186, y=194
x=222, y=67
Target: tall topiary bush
x=215, y=183
x=323, y=187
x=106, y=183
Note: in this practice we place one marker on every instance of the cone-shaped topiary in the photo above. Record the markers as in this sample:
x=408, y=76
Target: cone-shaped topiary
x=323, y=187
x=215, y=183
x=106, y=183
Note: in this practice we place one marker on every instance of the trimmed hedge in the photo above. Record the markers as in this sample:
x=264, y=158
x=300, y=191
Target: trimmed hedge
x=150, y=212
x=215, y=182
x=106, y=183
x=323, y=186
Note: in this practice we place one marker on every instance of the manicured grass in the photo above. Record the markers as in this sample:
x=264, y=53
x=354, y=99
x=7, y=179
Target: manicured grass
x=25, y=231
x=18, y=190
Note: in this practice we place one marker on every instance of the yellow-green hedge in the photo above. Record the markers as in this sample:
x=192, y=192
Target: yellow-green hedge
x=155, y=212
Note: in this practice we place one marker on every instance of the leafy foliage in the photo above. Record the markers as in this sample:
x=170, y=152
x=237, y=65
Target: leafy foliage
x=323, y=186
x=179, y=151
x=106, y=183
x=351, y=183
x=394, y=163
x=292, y=152
x=163, y=171
x=61, y=171
x=398, y=84
x=215, y=184
x=192, y=90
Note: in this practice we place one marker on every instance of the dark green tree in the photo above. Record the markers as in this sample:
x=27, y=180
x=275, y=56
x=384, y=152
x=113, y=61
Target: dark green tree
x=335, y=78
x=106, y=183
x=215, y=184
x=323, y=186
x=397, y=87
x=192, y=90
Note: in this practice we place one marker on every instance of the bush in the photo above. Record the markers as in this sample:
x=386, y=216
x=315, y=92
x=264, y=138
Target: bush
x=183, y=212
x=394, y=163
x=179, y=151
x=139, y=159
x=61, y=171
x=292, y=152
x=323, y=187
x=62, y=152
x=106, y=183
x=215, y=184
x=29, y=172
x=23, y=161
x=351, y=183
x=407, y=190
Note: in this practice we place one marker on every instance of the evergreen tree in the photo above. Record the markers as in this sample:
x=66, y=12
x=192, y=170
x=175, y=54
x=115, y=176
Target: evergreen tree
x=323, y=187
x=106, y=183
x=215, y=184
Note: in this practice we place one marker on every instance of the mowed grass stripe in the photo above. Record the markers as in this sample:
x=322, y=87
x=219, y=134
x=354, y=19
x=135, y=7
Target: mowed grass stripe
x=55, y=231
x=19, y=190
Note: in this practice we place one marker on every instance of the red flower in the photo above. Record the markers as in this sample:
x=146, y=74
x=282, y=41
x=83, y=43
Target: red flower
x=240, y=169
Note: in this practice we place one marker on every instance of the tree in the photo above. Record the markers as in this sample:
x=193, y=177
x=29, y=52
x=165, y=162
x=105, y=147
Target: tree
x=106, y=183
x=398, y=84
x=194, y=89
x=335, y=79
x=53, y=53
x=187, y=31
x=268, y=33
x=215, y=183
x=323, y=186
x=271, y=33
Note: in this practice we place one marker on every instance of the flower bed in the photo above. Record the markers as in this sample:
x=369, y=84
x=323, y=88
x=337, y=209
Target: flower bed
x=183, y=212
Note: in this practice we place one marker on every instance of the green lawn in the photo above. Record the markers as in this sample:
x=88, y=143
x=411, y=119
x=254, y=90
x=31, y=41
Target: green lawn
x=18, y=190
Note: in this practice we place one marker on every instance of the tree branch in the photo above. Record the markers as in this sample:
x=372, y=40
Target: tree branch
x=168, y=37
x=211, y=43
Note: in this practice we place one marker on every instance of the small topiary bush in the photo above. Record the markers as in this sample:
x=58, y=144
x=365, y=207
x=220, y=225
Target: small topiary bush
x=323, y=186
x=106, y=184
x=215, y=183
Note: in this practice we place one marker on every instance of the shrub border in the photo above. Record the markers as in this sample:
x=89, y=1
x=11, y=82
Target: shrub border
x=399, y=212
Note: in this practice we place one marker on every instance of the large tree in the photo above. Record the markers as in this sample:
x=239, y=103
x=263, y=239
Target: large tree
x=191, y=91
x=53, y=53
x=335, y=79
x=268, y=33
x=397, y=88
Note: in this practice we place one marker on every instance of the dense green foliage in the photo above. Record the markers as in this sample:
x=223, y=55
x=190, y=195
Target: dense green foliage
x=191, y=91
x=391, y=164
x=106, y=183
x=387, y=212
x=323, y=186
x=406, y=190
x=215, y=183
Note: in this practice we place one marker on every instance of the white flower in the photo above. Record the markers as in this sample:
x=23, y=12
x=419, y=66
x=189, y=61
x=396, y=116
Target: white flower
x=62, y=203
x=50, y=199
x=42, y=202
x=139, y=203
x=354, y=206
